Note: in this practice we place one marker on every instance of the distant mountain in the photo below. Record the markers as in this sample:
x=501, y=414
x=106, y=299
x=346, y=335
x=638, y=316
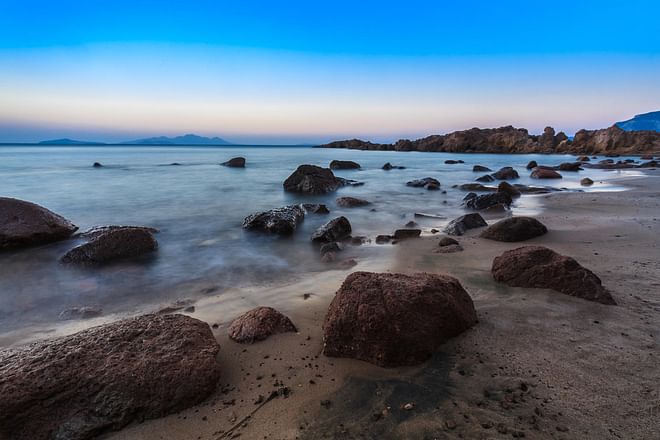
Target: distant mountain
x=646, y=121
x=66, y=141
x=188, y=139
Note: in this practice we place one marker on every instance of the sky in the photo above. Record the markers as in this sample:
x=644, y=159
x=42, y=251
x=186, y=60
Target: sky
x=306, y=72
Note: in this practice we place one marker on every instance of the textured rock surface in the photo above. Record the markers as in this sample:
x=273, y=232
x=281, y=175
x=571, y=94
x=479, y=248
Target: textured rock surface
x=498, y=200
x=258, y=324
x=110, y=243
x=461, y=224
x=537, y=266
x=335, y=230
x=344, y=165
x=311, y=179
x=544, y=173
x=506, y=173
x=236, y=162
x=393, y=319
x=282, y=221
x=101, y=379
x=515, y=229
x=351, y=202
x=25, y=224
x=426, y=182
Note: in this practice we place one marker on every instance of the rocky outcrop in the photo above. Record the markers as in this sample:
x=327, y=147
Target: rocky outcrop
x=544, y=173
x=236, y=162
x=497, y=200
x=24, y=224
x=258, y=324
x=537, y=266
x=427, y=182
x=506, y=187
x=344, y=165
x=99, y=380
x=311, y=179
x=282, y=221
x=351, y=202
x=111, y=243
x=505, y=173
x=392, y=319
x=514, y=229
x=335, y=230
x=462, y=224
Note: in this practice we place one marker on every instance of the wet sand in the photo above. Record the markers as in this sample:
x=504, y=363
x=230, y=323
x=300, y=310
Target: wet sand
x=538, y=364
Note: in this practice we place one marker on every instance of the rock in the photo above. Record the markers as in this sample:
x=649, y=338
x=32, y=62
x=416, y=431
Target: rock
x=99, y=380
x=547, y=139
x=258, y=324
x=489, y=201
x=506, y=187
x=392, y=319
x=85, y=312
x=359, y=240
x=462, y=224
x=382, y=239
x=586, y=182
x=506, y=173
x=330, y=247
x=282, y=221
x=97, y=231
x=388, y=166
x=515, y=229
x=476, y=187
x=450, y=249
x=315, y=208
x=433, y=187
x=97, y=165
x=583, y=159
x=403, y=234
x=351, y=202
x=424, y=183
x=537, y=266
x=334, y=230
x=453, y=162
x=311, y=179
x=24, y=224
x=447, y=241
x=485, y=178
x=649, y=164
x=570, y=166
x=236, y=162
x=480, y=169
x=115, y=243
x=344, y=165
x=544, y=173
x=532, y=164
x=411, y=224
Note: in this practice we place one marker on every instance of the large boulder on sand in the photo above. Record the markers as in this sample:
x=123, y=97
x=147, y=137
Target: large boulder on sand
x=236, y=162
x=460, y=225
x=392, y=319
x=258, y=324
x=335, y=230
x=515, y=229
x=537, y=266
x=344, y=165
x=282, y=221
x=110, y=243
x=311, y=179
x=101, y=379
x=25, y=224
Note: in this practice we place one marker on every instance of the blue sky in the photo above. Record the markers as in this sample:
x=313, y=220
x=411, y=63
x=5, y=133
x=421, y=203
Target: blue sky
x=255, y=71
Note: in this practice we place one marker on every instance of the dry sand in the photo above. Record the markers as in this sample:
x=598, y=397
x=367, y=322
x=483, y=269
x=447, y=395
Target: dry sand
x=538, y=364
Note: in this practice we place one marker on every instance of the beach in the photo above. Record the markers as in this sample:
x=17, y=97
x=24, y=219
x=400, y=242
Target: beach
x=538, y=364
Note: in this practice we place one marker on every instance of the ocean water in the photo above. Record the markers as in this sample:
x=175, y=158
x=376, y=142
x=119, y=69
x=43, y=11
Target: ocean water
x=199, y=206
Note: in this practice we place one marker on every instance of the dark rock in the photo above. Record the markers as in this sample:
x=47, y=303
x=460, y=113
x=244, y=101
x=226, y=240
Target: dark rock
x=388, y=166
x=433, y=187
x=480, y=169
x=97, y=165
x=282, y=221
x=344, y=165
x=453, y=162
x=258, y=324
x=311, y=179
x=394, y=319
x=544, y=173
x=476, y=187
x=506, y=173
x=489, y=201
x=236, y=162
x=411, y=224
x=537, y=266
x=447, y=241
x=532, y=164
x=382, y=239
x=649, y=164
x=515, y=229
x=506, y=187
x=315, y=208
x=97, y=231
x=99, y=380
x=461, y=224
x=334, y=230
x=351, y=202
x=485, y=178
x=329, y=247
x=24, y=224
x=570, y=166
x=113, y=243
x=402, y=234
x=586, y=182
x=424, y=183
x=584, y=159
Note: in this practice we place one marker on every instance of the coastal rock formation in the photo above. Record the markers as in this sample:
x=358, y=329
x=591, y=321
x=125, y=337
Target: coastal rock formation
x=388, y=166
x=335, y=230
x=531, y=164
x=569, y=166
x=428, y=182
x=392, y=319
x=110, y=243
x=403, y=234
x=460, y=225
x=515, y=229
x=506, y=187
x=497, y=200
x=544, y=173
x=99, y=380
x=282, y=221
x=480, y=169
x=506, y=173
x=258, y=324
x=311, y=179
x=25, y=224
x=351, y=202
x=344, y=165
x=537, y=266
x=236, y=162
x=485, y=178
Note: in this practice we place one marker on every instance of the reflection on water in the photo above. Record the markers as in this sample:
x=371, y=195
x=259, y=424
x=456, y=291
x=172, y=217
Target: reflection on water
x=198, y=206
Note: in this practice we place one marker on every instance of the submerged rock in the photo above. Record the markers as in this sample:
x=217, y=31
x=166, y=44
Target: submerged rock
x=282, y=221
x=236, y=162
x=388, y=166
x=403, y=234
x=453, y=162
x=462, y=224
x=515, y=229
x=427, y=182
x=489, y=201
x=335, y=230
x=544, y=173
x=506, y=187
x=537, y=266
x=586, y=182
x=315, y=208
x=112, y=243
x=344, y=165
x=97, y=165
x=480, y=169
x=329, y=247
x=382, y=239
x=258, y=324
x=392, y=319
x=311, y=179
x=569, y=166
x=506, y=173
x=99, y=380
x=485, y=178
x=24, y=224
x=531, y=164
x=351, y=202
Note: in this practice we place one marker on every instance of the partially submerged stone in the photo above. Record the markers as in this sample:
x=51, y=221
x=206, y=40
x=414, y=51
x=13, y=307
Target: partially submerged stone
x=112, y=243
x=282, y=221
x=462, y=224
x=336, y=229
x=514, y=229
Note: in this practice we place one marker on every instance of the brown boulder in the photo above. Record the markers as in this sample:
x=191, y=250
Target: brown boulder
x=586, y=182
x=392, y=319
x=101, y=379
x=351, y=202
x=532, y=164
x=505, y=173
x=544, y=173
x=537, y=266
x=258, y=324
x=25, y=224
x=515, y=229
x=569, y=166
x=112, y=243
x=311, y=179
x=506, y=187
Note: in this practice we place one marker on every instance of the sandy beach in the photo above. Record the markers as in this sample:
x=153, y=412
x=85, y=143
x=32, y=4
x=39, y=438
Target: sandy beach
x=538, y=364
